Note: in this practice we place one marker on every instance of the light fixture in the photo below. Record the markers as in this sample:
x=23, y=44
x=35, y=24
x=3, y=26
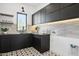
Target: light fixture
x=22, y=9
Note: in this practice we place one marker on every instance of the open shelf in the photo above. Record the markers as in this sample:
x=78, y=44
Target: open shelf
x=3, y=14
x=6, y=23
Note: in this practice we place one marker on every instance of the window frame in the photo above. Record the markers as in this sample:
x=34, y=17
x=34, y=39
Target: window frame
x=17, y=20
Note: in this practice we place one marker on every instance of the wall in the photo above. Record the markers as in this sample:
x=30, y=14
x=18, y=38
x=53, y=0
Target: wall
x=41, y=5
x=62, y=45
x=13, y=8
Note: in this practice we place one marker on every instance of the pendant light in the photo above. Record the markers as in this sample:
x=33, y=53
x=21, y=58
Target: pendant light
x=22, y=9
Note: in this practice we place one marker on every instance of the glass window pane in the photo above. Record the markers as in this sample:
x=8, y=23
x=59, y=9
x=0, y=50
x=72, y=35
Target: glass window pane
x=21, y=22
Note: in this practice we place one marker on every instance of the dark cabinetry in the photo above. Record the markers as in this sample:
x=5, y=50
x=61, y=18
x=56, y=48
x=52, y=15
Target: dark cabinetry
x=39, y=17
x=57, y=12
x=42, y=15
x=52, y=17
x=52, y=8
x=51, y=14
x=36, y=18
x=64, y=5
x=19, y=41
x=14, y=42
x=53, y=11
x=42, y=42
x=70, y=12
x=5, y=44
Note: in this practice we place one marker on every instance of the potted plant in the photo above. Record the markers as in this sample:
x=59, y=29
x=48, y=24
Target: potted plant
x=4, y=30
x=37, y=28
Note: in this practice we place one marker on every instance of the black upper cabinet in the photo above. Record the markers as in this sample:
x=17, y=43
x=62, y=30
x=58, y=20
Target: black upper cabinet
x=33, y=19
x=42, y=15
x=70, y=12
x=51, y=14
x=52, y=8
x=52, y=17
x=39, y=17
x=36, y=18
x=56, y=12
x=64, y=5
x=53, y=11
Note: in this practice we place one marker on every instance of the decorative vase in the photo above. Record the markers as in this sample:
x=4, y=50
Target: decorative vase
x=5, y=32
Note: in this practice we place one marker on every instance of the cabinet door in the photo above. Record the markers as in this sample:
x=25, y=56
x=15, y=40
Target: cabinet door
x=16, y=42
x=64, y=5
x=42, y=15
x=20, y=41
x=52, y=8
x=70, y=12
x=52, y=17
x=5, y=44
x=45, y=43
x=36, y=18
x=33, y=19
x=52, y=12
x=37, y=42
x=0, y=44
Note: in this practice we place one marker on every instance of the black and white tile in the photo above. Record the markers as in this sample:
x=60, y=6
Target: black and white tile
x=28, y=52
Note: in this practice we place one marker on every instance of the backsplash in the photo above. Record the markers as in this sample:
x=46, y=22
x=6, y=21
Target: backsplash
x=12, y=29
x=62, y=28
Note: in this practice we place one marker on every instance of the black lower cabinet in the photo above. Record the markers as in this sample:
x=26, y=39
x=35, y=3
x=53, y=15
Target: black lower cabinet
x=19, y=41
x=14, y=42
x=5, y=44
x=42, y=42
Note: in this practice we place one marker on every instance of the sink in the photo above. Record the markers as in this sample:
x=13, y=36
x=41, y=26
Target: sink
x=40, y=33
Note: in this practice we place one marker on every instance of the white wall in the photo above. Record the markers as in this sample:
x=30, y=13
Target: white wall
x=62, y=45
x=13, y=8
x=41, y=5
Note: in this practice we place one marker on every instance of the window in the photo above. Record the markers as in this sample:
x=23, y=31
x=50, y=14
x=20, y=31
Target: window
x=21, y=22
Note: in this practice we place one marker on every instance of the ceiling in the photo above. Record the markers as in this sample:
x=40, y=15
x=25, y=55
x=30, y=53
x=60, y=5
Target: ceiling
x=34, y=4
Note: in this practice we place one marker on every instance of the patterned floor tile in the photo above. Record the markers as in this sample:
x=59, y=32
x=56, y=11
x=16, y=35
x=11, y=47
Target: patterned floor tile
x=28, y=52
